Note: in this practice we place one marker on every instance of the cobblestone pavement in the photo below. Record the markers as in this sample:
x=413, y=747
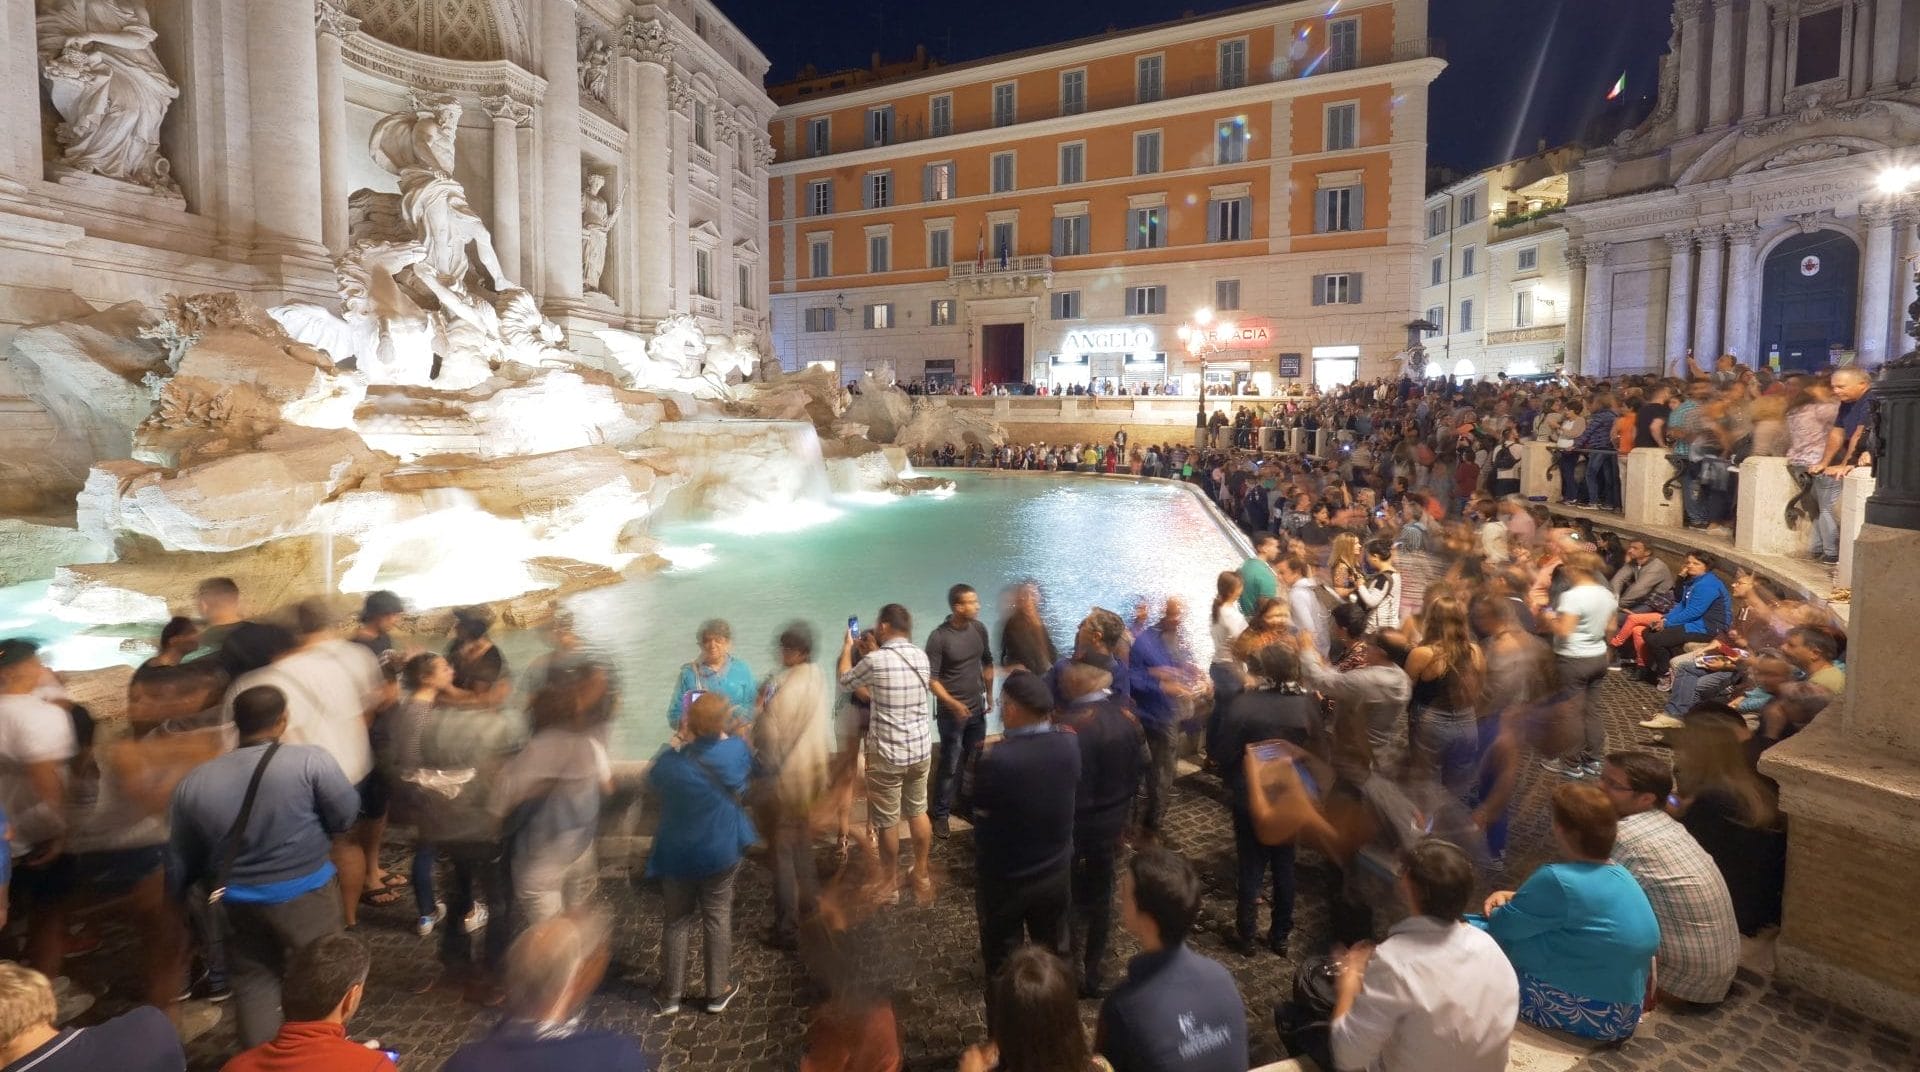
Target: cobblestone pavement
x=930, y=959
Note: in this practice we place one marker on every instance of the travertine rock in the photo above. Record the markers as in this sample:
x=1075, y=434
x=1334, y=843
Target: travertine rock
x=91, y=373
x=30, y=550
x=885, y=410
x=935, y=424
x=536, y=412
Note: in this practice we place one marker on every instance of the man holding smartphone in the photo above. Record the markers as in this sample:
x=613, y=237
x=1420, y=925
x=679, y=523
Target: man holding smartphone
x=962, y=663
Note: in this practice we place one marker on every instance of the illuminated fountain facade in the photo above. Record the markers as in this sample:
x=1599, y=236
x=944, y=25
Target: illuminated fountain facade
x=449, y=412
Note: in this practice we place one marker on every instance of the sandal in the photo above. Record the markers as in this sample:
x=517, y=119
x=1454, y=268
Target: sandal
x=1840, y=595
x=380, y=898
x=397, y=881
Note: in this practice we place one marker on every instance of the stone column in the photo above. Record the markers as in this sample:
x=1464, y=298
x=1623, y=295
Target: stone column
x=333, y=24
x=1576, y=308
x=20, y=151
x=283, y=130
x=1596, y=325
x=1689, y=109
x=1679, y=299
x=680, y=139
x=1706, y=317
x=1907, y=259
x=1753, y=82
x=1876, y=283
x=1743, y=291
x=726, y=147
x=1777, y=84
x=508, y=117
x=560, y=153
x=645, y=41
x=1886, y=37
x=1720, y=75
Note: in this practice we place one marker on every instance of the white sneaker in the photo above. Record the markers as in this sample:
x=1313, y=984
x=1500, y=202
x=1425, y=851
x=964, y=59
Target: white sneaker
x=425, y=926
x=477, y=919
x=1662, y=721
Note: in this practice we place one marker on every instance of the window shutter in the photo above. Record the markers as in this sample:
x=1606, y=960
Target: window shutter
x=866, y=191
x=1319, y=289
x=1321, y=200
x=1353, y=287
x=926, y=182
x=1133, y=229
x=890, y=320
x=830, y=187
x=1213, y=221
x=866, y=317
x=1358, y=220
x=1059, y=237
x=1246, y=218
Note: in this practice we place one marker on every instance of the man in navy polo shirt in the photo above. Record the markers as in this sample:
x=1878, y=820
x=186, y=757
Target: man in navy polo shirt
x=1023, y=804
x=1178, y=1011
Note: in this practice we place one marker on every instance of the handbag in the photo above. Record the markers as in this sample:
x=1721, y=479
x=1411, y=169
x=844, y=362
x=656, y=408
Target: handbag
x=230, y=847
x=1305, y=1022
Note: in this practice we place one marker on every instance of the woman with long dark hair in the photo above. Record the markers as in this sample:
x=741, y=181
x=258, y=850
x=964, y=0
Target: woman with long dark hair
x=1033, y=1020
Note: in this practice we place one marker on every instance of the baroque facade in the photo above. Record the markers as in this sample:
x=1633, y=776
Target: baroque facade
x=1747, y=215
x=606, y=158
x=1494, y=282
x=1055, y=216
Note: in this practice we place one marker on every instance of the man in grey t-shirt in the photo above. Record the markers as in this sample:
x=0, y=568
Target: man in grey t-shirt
x=962, y=663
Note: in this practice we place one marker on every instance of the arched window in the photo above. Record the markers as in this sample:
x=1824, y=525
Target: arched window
x=1463, y=369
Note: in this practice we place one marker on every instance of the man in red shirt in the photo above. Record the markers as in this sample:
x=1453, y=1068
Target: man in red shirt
x=323, y=988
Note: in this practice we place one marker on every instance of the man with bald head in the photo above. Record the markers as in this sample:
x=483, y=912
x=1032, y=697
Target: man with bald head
x=551, y=971
x=1848, y=444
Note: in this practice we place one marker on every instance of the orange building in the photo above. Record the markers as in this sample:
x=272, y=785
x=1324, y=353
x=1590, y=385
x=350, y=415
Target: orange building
x=1057, y=215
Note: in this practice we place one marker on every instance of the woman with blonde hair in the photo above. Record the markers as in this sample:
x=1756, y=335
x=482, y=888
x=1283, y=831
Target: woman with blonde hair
x=1344, y=567
x=1449, y=672
x=1732, y=811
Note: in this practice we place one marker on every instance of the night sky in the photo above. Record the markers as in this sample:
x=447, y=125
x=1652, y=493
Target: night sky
x=1518, y=71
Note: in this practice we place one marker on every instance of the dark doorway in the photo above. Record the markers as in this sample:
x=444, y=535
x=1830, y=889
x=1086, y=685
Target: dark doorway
x=1003, y=354
x=1811, y=284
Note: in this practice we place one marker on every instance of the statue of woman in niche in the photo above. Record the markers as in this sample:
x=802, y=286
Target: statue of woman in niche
x=596, y=221
x=419, y=146
x=109, y=88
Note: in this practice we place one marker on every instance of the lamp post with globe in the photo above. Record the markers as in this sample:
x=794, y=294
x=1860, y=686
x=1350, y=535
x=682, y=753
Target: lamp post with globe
x=1203, y=337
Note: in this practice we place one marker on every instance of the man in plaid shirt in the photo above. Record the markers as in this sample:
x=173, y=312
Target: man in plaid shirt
x=1699, y=937
x=899, y=750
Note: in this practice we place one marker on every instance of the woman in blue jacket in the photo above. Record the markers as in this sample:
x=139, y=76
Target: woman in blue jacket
x=716, y=670
x=700, y=777
x=1580, y=932
x=1703, y=610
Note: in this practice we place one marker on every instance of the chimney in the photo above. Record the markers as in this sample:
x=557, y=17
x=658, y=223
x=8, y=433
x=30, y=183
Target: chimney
x=1541, y=147
x=876, y=60
x=920, y=55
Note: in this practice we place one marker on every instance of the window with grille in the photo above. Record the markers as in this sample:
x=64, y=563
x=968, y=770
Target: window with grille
x=879, y=253
x=1002, y=173
x=1073, y=92
x=1527, y=260
x=1073, y=163
x=940, y=116
x=1233, y=64
x=879, y=189
x=819, y=137
x=820, y=258
x=1226, y=294
x=1146, y=301
x=880, y=126
x=1149, y=78
x=1230, y=141
x=939, y=248
x=1343, y=45
x=820, y=198
x=1436, y=221
x=1003, y=104
x=819, y=319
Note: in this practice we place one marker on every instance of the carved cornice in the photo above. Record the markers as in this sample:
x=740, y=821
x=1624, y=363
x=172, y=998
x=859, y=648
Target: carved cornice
x=646, y=40
x=505, y=106
x=763, y=153
x=331, y=18
x=431, y=74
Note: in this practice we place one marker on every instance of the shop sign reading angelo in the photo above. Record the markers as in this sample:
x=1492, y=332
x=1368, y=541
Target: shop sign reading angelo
x=1110, y=341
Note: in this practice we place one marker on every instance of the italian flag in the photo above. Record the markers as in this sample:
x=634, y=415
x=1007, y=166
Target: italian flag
x=1619, y=87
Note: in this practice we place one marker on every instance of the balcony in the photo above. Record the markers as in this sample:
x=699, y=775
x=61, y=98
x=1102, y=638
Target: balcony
x=1528, y=224
x=1016, y=275
x=1536, y=333
x=914, y=128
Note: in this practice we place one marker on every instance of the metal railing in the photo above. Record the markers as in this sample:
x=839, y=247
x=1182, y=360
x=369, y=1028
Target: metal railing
x=907, y=129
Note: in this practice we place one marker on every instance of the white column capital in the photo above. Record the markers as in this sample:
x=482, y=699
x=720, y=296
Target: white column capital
x=1879, y=213
x=1712, y=239
x=679, y=93
x=1742, y=234
x=1591, y=253
x=330, y=17
x=506, y=107
x=1688, y=10
x=646, y=40
x=1680, y=242
x=763, y=152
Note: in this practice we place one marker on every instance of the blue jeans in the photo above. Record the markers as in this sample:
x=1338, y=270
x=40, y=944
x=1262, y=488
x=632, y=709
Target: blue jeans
x=1255, y=862
x=959, y=744
x=1570, y=486
x=422, y=876
x=1449, y=741
x=1826, y=527
x=1689, y=682
x=1603, y=481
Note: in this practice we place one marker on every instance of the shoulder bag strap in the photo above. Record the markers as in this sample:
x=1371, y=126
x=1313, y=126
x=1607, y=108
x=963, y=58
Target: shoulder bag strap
x=230, y=849
x=718, y=782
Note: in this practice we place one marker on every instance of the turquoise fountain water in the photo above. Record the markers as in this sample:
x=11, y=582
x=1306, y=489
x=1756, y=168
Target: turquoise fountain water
x=1089, y=541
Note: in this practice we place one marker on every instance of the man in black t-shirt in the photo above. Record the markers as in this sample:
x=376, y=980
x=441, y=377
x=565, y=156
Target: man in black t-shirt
x=1650, y=420
x=961, y=661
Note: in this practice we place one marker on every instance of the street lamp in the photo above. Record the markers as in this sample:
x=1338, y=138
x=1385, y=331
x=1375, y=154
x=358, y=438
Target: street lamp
x=1895, y=502
x=1201, y=341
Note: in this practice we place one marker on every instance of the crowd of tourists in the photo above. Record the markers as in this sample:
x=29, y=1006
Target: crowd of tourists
x=1404, y=661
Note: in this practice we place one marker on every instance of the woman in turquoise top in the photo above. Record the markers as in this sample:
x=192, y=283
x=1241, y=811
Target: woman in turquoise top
x=1580, y=932
x=716, y=670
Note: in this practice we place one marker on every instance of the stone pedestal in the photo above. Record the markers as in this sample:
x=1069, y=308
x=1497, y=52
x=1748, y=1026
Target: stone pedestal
x=1537, y=479
x=1641, y=494
x=1296, y=441
x=1850, y=785
x=1854, y=492
x=1323, y=443
x=1766, y=487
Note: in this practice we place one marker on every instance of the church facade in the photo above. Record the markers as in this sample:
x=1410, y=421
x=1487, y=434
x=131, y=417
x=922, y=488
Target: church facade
x=1752, y=212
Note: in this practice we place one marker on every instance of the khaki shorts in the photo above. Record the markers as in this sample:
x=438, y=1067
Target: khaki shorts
x=895, y=792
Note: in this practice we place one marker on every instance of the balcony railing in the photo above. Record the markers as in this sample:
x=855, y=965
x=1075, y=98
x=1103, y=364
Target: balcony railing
x=908, y=129
x=1034, y=264
x=1536, y=333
